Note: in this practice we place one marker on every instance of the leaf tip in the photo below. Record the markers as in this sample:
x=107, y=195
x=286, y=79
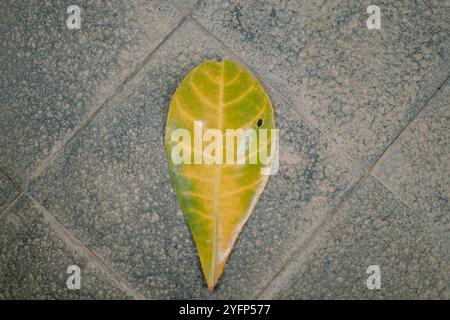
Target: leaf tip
x=211, y=286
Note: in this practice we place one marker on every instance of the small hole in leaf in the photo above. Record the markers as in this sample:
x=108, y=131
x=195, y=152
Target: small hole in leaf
x=259, y=123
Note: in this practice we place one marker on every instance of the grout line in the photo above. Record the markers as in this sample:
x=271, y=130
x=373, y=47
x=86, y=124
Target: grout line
x=425, y=218
x=90, y=117
x=73, y=242
x=307, y=248
x=3, y=172
x=305, y=244
x=399, y=199
x=408, y=124
x=11, y=205
x=297, y=252
x=71, y=136
x=276, y=91
x=17, y=191
x=17, y=194
x=77, y=131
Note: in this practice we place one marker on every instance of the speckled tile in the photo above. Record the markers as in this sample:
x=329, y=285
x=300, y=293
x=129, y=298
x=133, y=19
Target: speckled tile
x=372, y=228
x=112, y=188
x=8, y=191
x=360, y=86
x=34, y=260
x=185, y=6
x=416, y=166
x=53, y=78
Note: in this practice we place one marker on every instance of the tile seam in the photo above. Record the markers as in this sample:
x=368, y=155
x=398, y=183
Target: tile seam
x=74, y=133
x=77, y=245
x=425, y=218
x=302, y=247
x=276, y=91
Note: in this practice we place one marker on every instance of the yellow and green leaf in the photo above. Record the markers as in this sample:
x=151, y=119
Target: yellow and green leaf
x=217, y=199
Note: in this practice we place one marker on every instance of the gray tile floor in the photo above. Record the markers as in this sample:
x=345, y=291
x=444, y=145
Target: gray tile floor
x=365, y=148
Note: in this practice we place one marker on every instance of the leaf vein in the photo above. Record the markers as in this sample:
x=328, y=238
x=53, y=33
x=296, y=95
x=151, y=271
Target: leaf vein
x=201, y=95
x=241, y=97
x=239, y=190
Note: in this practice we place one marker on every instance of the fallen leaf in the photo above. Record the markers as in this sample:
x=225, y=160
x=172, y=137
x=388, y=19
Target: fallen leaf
x=217, y=198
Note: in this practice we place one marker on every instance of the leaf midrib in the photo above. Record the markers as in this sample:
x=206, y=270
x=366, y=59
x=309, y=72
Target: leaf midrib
x=212, y=276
